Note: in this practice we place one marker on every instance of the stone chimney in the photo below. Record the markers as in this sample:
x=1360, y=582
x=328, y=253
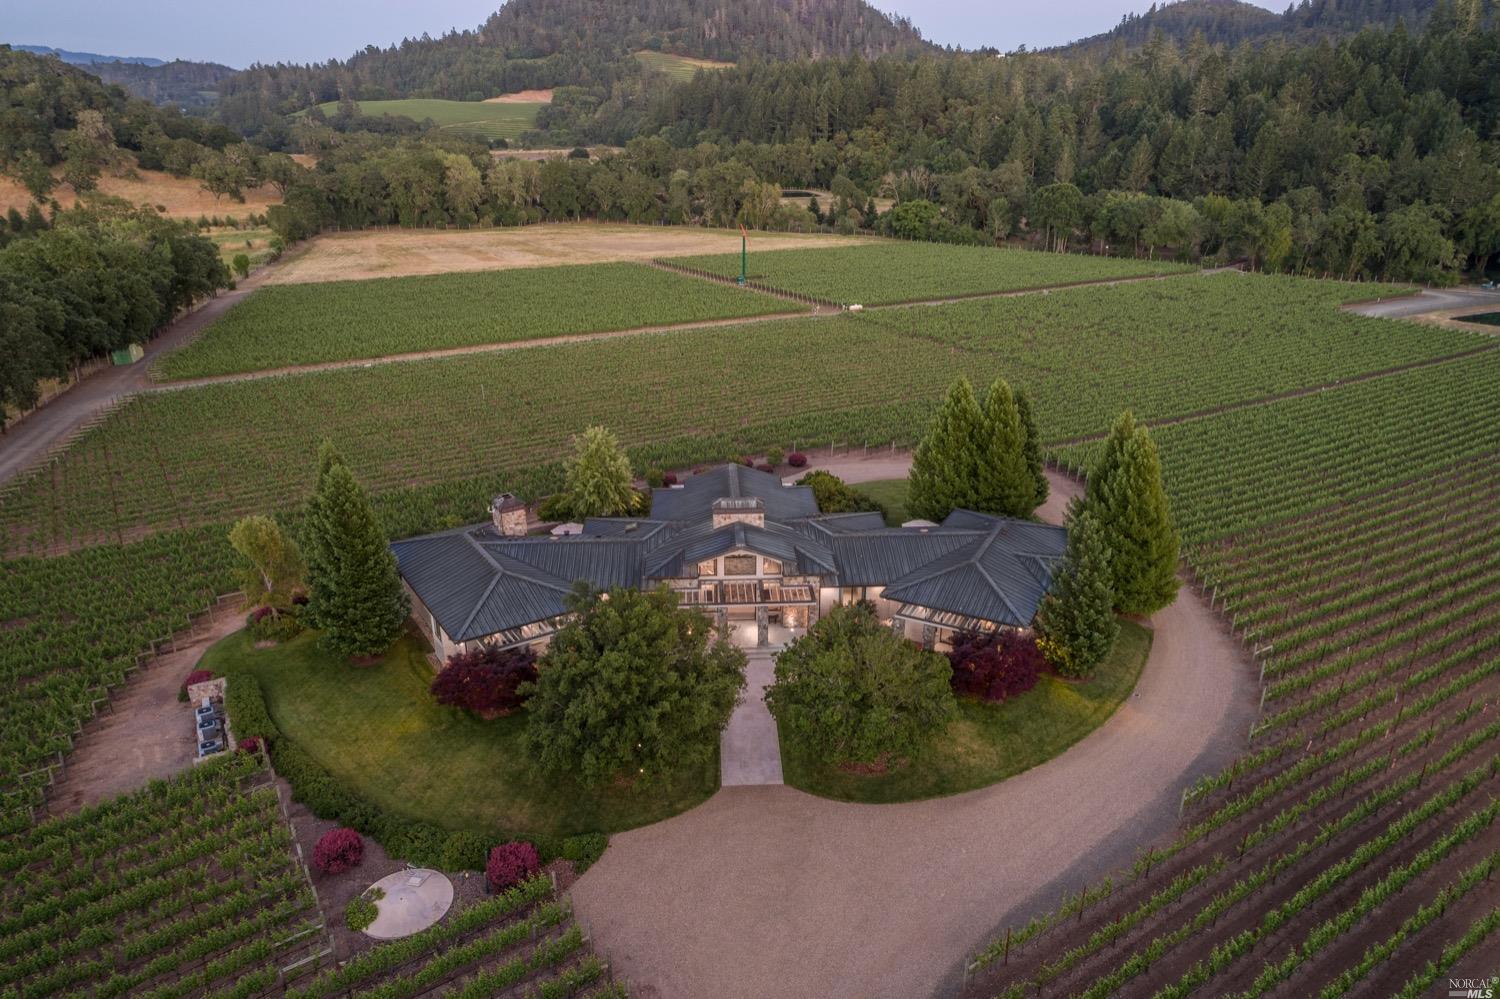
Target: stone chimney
x=509, y=514
x=739, y=510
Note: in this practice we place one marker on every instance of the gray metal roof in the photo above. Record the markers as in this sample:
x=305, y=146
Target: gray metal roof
x=694, y=501
x=477, y=582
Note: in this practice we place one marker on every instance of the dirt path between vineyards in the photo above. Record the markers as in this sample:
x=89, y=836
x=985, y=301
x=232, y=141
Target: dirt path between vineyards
x=767, y=891
x=147, y=733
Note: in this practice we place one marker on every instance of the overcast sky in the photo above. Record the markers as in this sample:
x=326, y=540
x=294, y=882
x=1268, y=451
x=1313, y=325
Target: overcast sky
x=315, y=30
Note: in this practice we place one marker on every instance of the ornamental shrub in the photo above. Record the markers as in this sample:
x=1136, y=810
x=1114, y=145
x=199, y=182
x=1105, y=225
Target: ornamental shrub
x=361, y=910
x=554, y=508
x=670, y=479
x=774, y=457
x=796, y=459
x=655, y=478
x=995, y=666
x=270, y=624
x=765, y=467
x=464, y=851
x=338, y=850
x=485, y=681
x=196, y=676
x=251, y=745
x=583, y=850
x=510, y=864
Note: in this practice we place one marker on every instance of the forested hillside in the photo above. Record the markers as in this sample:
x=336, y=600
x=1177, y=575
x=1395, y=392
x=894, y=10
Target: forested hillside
x=1231, y=22
x=190, y=84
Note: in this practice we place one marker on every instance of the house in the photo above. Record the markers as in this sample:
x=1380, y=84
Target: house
x=752, y=552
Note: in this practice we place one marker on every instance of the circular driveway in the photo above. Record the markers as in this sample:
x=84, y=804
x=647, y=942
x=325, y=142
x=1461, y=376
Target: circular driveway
x=767, y=891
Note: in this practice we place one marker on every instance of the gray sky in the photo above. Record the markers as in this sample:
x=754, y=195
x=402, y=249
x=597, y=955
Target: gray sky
x=315, y=30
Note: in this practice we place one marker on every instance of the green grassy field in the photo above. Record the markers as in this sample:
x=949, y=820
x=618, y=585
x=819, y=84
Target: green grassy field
x=186, y=457
x=285, y=325
x=378, y=729
x=990, y=742
x=253, y=243
x=676, y=66
x=891, y=272
x=484, y=119
x=891, y=494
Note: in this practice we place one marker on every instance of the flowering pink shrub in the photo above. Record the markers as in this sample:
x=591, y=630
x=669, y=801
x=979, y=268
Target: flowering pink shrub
x=338, y=850
x=995, y=666
x=796, y=459
x=510, y=864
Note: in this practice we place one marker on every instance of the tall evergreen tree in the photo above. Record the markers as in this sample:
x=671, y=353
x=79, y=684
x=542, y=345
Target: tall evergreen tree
x=1126, y=493
x=598, y=482
x=1076, y=625
x=354, y=589
x=1109, y=458
x=945, y=467
x=1031, y=447
x=1004, y=483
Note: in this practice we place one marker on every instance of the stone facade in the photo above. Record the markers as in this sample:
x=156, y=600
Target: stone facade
x=509, y=514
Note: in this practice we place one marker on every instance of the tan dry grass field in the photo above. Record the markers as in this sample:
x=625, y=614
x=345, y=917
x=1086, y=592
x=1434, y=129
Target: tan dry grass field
x=179, y=197
x=405, y=252
x=523, y=97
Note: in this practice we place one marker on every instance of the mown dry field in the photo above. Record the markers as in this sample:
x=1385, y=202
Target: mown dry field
x=407, y=252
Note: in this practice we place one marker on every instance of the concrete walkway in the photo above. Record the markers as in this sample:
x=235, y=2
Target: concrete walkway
x=767, y=891
x=749, y=749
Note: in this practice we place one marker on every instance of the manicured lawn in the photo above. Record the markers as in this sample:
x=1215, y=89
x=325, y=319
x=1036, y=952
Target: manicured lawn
x=891, y=494
x=990, y=742
x=378, y=729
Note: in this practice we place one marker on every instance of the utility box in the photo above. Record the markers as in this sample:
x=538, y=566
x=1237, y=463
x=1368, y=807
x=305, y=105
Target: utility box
x=128, y=355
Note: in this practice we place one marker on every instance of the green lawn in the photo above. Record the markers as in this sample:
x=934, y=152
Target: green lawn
x=491, y=121
x=378, y=729
x=891, y=494
x=990, y=742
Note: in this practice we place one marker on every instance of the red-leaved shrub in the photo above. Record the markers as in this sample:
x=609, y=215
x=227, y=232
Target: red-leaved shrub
x=510, y=864
x=196, y=676
x=796, y=459
x=995, y=666
x=338, y=850
x=251, y=745
x=670, y=479
x=484, y=681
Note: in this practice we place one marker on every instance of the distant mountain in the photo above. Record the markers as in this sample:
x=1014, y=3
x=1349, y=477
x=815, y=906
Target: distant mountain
x=190, y=84
x=1230, y=22
x=88, y=58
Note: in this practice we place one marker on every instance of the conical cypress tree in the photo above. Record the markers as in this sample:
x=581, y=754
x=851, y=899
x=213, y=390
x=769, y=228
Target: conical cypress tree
x=354, y=589
x=944, y=469
x=1076, y=624
x=1004, y=483
x=318, y=562
x=1138, y=529
x=1109, y=457
x=1031, y=447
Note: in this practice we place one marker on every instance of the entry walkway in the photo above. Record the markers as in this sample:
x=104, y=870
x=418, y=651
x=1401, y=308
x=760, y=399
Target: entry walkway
x=749, y=751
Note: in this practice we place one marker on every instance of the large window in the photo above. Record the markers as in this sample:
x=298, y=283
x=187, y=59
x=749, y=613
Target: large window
x=770, y=567
x=739, y=565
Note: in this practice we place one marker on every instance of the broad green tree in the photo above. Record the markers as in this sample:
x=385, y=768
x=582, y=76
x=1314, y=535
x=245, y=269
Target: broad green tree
x=1032, y=448
x=1126, y=493
x=598, y=481
x=852, y=690
x=273, y=568
x=1003, y=481
x=354, y=588
x=945, y=467
x=1076, y=626
x=634, y=687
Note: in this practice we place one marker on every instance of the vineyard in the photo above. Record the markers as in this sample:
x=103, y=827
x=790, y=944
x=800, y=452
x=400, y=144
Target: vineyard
x=1351, y=541
x=890, y=272
x=189, y=887
x=288, y=325
x=179, y=459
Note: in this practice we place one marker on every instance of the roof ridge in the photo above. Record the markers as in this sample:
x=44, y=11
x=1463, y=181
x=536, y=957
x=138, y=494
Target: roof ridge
x=474, y=612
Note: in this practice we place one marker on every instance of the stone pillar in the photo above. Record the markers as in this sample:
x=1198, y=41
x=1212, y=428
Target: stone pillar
x=929, y=636
x=762, y=627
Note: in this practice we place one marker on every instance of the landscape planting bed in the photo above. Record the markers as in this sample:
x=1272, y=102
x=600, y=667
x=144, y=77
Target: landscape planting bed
x=890, y=272
x=306, y=324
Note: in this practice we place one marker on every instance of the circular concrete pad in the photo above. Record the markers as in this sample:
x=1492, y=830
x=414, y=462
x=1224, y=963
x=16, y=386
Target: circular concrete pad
x=414, y=899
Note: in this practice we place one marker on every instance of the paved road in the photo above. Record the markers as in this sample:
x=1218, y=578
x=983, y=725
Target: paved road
x=768, y=892
x=1439, y=300
x=52, y=426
